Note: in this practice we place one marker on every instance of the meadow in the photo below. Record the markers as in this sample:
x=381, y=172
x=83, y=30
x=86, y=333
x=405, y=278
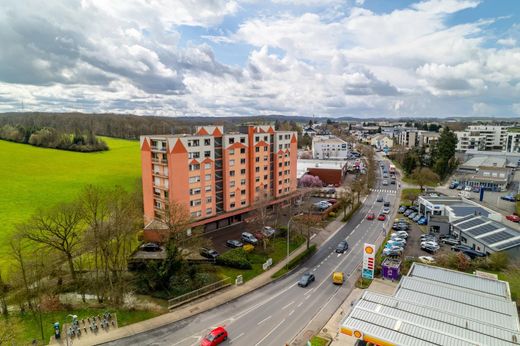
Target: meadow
x=33, y=177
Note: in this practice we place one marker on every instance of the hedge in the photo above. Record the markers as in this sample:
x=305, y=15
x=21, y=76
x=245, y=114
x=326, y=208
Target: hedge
x=235, y=258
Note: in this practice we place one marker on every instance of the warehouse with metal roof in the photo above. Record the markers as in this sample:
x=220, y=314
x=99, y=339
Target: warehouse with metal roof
x=486, y=235
x=437, y=306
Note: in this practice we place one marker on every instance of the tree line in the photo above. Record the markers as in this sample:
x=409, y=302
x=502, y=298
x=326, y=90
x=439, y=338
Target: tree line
x=49, y=137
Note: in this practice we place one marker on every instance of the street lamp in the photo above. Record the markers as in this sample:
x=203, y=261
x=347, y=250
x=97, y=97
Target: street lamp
x=288, y=228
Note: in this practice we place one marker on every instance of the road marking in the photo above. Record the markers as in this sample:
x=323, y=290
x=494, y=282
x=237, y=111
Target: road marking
x=265, y=319
x=285, y=307
x=299, y=305
x=189, y=337
x=308, y=296
x=271, y=332
x=290, y=313
x=339, y=254
x=236, y=337
x=314, y=269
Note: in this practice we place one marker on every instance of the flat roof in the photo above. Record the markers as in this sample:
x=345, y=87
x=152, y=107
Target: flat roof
x=485, y=161
x=491, y=233
x=464, y=209
x=303, y=165
x=437, y=306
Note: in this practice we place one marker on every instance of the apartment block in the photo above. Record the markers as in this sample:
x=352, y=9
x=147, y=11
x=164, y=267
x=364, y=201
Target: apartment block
x=513, y=141
x=482, y=137
x=217, y=176
x=407, y=137
x=329, y=147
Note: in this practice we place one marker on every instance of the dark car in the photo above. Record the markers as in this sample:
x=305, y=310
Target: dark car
x=392, y=182
x=233, y=243
x=208, y=253
x=386, y=204
x=408, y=212
x=473, y=253
x=450, y=241
x=306, y=279
x=402, y=209
x=430, y=249
x=150, y=247
x=509, y=198
x=458, y=248
x=342, y=246
x=380, y=199
x=330, y=191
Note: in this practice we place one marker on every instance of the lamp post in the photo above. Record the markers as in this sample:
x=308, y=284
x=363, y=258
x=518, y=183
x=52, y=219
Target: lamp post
x=288, y=228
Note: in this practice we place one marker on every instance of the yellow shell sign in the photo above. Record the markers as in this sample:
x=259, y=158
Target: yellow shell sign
x=369, y=250
x=357, y=334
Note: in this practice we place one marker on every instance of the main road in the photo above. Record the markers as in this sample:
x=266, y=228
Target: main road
x=276, y=313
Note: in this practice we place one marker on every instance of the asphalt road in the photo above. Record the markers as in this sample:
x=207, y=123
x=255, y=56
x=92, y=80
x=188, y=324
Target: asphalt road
x=281, y=310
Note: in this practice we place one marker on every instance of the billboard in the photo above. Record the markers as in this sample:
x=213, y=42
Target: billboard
x=369, y=259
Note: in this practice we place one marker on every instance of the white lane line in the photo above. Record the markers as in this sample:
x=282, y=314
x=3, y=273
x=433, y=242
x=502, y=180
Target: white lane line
x=318, y=265
x=189, y=337
x=265, y=319
x=285, y=307
x=236, y=337
x=292, y=312
x=339, y=254
x=271, y=332
x=314, y=269
x=308, y=296
x=299, y=305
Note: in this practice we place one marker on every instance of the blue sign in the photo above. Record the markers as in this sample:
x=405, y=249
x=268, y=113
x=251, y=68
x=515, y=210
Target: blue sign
x=367, y=274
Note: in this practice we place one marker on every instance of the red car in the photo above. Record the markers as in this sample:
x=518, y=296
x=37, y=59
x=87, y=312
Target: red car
x=514, y=218
x=371, y=216
x=332, y=201
x=215, y=337
x=381, y=217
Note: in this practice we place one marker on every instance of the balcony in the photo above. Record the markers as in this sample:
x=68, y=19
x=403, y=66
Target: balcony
x=161, y=149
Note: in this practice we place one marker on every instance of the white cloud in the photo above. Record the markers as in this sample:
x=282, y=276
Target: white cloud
x=507, y=41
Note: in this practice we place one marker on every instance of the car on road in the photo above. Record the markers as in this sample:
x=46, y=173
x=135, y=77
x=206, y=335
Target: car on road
x=342, y=246
x=249, y=238
x=460, y=247
x=386, y=210
x=385, y=182
x=514, y=218
x=381, y=217
x=450, y=241
x=371, y=216
x=150, y=247
x=208, y=253
x=386, y=204
x=215, y=337
x=306, y=279
x=392, y=181
x=509, y=198
x=233, y=243
x=427, y=259
x=379, y=199
x=402, y=209
x=338, y=278
x=268, y=231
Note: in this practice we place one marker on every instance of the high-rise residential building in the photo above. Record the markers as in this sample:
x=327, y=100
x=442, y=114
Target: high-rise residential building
x=217, y=176
x=495, y=136
x=467, y=140
x=513, y=141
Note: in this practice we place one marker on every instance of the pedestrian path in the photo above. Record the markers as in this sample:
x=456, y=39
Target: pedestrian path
x=383, y=190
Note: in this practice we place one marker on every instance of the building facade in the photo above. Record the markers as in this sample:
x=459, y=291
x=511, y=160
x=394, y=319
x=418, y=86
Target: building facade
x=215, y=175
x=512, y=142
x=329, y=147
x=408, y=138
x=382, y=141
x=482, y=137
x=467, y=140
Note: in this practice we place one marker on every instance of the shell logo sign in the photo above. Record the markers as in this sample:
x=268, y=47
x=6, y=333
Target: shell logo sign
x=369, y=251
x=358, y=334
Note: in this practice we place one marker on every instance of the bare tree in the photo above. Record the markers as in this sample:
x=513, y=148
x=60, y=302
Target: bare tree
x=59, y=228
x=345, y=200
x=177, y=219
x=18, y=253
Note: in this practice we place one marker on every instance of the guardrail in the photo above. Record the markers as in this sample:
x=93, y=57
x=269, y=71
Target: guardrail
x=187, y=297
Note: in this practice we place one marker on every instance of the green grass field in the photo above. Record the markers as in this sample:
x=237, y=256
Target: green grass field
x=32, y=178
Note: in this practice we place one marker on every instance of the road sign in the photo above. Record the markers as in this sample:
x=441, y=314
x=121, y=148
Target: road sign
x=369, y=253
x=239, y=280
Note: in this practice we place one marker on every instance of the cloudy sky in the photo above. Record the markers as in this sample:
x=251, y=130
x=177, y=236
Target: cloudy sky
x=231, y=57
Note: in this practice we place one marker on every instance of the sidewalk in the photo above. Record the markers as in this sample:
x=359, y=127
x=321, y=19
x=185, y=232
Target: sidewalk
x=204, y=304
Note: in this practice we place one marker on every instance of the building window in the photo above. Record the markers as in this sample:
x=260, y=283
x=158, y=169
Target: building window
x=242, y=161
x=196, y=214
x=194, y=155
x=265, y=168
x=207, y=153
x=266, y=158
x=243, y=202
x=207, y=141
x=243, y=171
x=231, y=151
x=194, y=179
x=207, y=166
x=231, y=163
x=194, y=167
x=257, y=138
x=243, y=192
x=232, y=183
x=157, y=204
x=231, y=140
x=265, y=148
x=257, y=169
x=266, y=138
x=279, y=190
x=209, y=211
x=194, y=191
x=195, y=202
x=265, y=177
x=287, y=136
x=257, y=179
x=232, y=205
x=280, y=164
x=207, y=177
x=257, y=149
x=208, y=188
x=232, y=195
x=193, y=143
x=280, y=137
x=257, y=159
x=231, y=173
x=242, y=181
x=242, y=140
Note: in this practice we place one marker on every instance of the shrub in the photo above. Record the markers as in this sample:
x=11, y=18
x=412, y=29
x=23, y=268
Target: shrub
x=332, y=214
x=282, y=232
x=235, y=258
x=248, y=248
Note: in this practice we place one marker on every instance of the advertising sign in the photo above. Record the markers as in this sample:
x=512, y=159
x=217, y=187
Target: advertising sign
x=369, y=255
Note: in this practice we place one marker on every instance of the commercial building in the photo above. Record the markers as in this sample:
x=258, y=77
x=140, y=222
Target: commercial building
x=487, y=235
x=437, y=306
x=329, y=171
x=216, y=176
x=490, y=172
x=512, y=158
x=329, y=147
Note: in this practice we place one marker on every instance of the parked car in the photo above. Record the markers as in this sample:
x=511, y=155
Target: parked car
x=454, y=185
x=402, y=209
x=412, y=215
x=208, y=253
x=371, y=216
x=423, y=221
x=402, y=234
x=460, y=187
x=215, y=337
x=386, y=210
x=392, y=251
x=322, y=205
x=306, y=279
x=460, y=247
x=476, y=189
x=381, y=217
x=417, y=217
x=342, y=246
x=249, y=238
x=426, y=259
x=430, y=249
x=429, y=243
x=473, y=253
x=330, y=191
x=379, y=199
x=386, y=204
x=450, y=241
x=150, y=247
x=514, y=218
x=467, y=188
x=233, y=243
x=509, y=198
x=397, y=242
x=268, y=231
x=408, y=212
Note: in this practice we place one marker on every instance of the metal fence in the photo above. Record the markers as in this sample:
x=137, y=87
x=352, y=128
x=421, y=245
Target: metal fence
x=174, y=302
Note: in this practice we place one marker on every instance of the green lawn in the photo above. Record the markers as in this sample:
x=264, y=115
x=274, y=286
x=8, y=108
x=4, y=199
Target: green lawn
x=257, y=258
x=319, y=341
x=33, y=177
x=29, y=325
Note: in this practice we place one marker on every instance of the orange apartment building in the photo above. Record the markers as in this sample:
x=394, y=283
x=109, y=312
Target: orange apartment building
x=218, y=177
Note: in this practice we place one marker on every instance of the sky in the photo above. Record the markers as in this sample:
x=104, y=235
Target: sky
x=362, y=58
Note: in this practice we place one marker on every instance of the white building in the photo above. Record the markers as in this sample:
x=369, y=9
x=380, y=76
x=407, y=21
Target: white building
x=467, y=140
x=482, y=137
x=512, y=142
x=381, y=142
x=408, y=137
x=329, y=147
